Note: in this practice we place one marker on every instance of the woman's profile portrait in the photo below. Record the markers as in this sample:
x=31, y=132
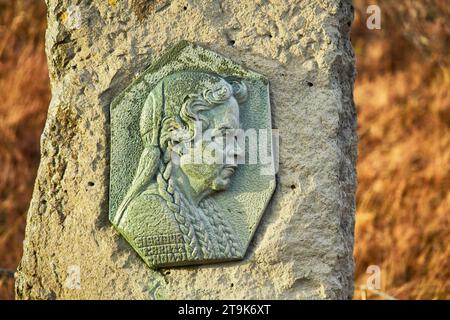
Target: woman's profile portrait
x=169, y=200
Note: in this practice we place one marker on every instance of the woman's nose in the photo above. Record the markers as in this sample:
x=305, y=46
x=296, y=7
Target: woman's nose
x=239, y=151
x=234, y=152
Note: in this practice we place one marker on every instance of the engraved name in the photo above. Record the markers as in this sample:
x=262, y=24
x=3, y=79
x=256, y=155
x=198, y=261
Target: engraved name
x=158, y=240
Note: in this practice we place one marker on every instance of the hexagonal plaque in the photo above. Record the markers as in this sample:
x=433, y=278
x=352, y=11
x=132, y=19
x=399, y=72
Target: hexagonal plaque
x=192, y=161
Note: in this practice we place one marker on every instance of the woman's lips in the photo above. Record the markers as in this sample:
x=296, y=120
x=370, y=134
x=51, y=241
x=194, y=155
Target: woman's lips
x=228, y=170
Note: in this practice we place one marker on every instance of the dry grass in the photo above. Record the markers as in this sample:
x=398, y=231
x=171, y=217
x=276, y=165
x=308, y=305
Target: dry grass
x=403, y=198
x=24, y=97
x=404, y=153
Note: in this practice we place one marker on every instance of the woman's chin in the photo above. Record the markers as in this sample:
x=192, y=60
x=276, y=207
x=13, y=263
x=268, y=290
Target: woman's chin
x=221, y=184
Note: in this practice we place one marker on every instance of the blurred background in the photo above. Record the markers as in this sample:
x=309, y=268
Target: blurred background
x=403, y=103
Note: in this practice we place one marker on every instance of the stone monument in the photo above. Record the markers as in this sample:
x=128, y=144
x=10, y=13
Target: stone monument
x=122, y=210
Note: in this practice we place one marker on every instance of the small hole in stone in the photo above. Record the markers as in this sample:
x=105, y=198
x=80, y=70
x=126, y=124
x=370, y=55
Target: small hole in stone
x=232, y=42
x=270, y=36
x=310, y=84
x=167, y=272
x=185, y=8
x=293, y=187
x=232, y=285
x=349, y=23
x=91, y=184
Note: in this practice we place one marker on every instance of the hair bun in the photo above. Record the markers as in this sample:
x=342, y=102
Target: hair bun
x=240, y=91
x=220, y=93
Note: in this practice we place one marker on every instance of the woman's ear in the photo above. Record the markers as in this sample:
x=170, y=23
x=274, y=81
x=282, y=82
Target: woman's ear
x=174, y=133
x=169, y=127
x=178, y=131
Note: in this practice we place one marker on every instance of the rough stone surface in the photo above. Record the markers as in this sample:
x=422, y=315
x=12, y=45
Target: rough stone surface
x=303, y=246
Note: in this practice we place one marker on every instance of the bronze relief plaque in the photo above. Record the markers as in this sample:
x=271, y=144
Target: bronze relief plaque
x=192, y=158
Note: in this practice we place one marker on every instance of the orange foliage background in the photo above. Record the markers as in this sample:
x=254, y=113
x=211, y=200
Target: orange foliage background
x=403, y=198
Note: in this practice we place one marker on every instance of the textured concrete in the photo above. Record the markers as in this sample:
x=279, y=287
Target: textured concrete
x=303, y=246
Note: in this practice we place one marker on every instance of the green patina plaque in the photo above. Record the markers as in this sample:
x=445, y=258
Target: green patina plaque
x=192, y=158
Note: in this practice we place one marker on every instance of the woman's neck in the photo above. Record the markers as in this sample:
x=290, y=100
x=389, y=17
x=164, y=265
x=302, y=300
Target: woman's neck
x=194, y=189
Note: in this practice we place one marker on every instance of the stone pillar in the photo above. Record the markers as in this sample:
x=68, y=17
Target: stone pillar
x=303, y=246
